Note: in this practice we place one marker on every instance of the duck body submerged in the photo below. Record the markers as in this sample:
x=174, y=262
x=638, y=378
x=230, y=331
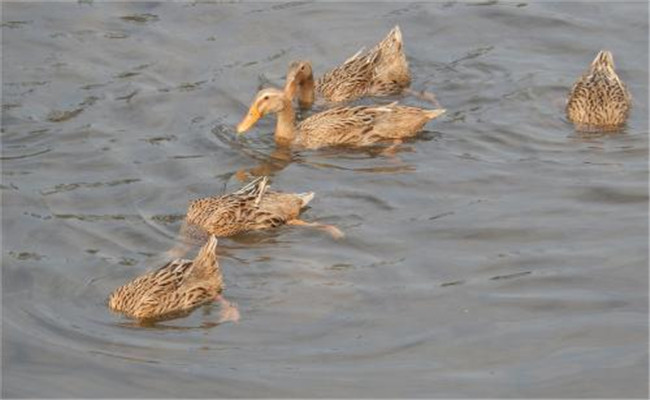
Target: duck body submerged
x=382, y=71
x=173, y=290
x=253, y=207
x=599, y=100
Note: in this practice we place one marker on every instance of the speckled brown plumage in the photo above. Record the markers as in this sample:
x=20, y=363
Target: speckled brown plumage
x=253, y=207
x=350, y=126
x=362, y=125
x=172, y=291
x=381, y=71
x=599, y=99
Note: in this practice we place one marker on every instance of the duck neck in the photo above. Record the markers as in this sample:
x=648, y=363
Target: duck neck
x=306, y=94
x=285, y=130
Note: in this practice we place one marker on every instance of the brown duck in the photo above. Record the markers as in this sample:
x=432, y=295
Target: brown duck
x=599, y=101
x=253, y=207
x=175, y=290
x=339, y=126
x=381, y=71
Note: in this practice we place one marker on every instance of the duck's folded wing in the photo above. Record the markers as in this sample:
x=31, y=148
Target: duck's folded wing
x=170, y=305
x=341, y=126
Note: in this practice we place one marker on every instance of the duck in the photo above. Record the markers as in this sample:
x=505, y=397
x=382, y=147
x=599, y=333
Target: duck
x=175, y=290
x=599, y=100
x=253, y=207
x=381, y=71
x=338, y=126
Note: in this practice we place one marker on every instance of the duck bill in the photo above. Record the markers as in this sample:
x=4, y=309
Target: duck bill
x=250, y=119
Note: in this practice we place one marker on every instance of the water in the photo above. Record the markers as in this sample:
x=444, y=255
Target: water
x=499, y=254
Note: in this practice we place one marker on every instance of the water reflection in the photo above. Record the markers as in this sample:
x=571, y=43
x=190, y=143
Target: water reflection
x=278, y=160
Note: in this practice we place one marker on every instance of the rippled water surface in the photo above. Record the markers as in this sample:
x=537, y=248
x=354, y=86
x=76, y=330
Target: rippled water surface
x=498, y=254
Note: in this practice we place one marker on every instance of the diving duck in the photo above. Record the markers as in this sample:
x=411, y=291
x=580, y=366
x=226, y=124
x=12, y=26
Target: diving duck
x=350, y=126
x=381, y=71
x=599, y=100
x=253, y=207
x=175, y=289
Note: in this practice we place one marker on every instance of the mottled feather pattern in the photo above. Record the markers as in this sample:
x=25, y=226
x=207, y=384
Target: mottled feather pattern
x=349, y=81
x=175, y=289
x=391, y=71
x=163, y=306
x=254, y=207
x=599, y=99
x=158, y=294
x=170, y=275
x=382, y=71
x=361, y=125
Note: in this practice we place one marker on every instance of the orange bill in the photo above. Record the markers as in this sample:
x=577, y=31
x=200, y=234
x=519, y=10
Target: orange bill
x=250, y=119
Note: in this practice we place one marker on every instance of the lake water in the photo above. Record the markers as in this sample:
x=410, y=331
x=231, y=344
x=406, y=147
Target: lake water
x=498, y=254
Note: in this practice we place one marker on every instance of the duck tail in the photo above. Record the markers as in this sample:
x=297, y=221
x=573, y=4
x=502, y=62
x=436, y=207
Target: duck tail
x=305, y=198
x=206, y=260
x=396, y=33
x=432, y=114
x=604, y=59
x=392, y=40
x=209, y=248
